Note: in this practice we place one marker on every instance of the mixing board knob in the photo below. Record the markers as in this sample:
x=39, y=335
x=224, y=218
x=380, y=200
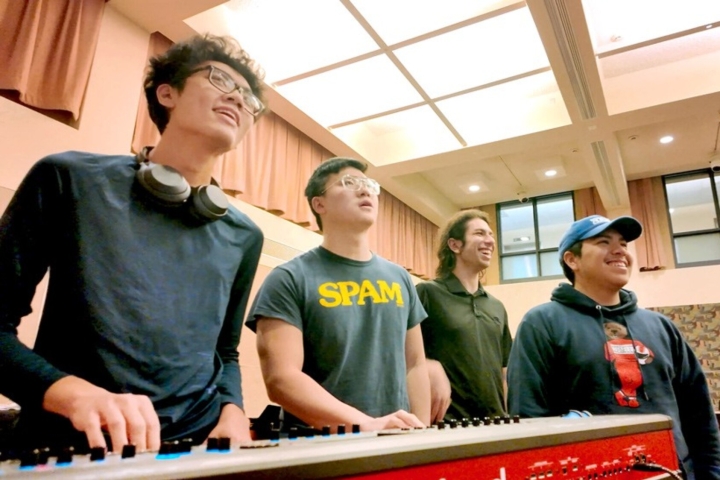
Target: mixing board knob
x=453, y=423
x=476, y=422
x=97, y=454
x=465, y=422
x=326, y=431
x=128, y=451
x=516, y=418
x=355, y=428
x=441, y=425
x=274, y=435
x=224, y=444
x=168, y=448
x=341, y=429
x=186, y=445
x=44, y=456
x=293, y=433
x=497, y=420
x=486, y=421
x=30, y=459
x=506, y=419
x=65, y=456
x=212, y=444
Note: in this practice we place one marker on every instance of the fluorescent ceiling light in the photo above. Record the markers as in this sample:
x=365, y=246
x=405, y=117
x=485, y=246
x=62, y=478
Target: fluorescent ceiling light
x=485, y=52
x=550, y=173
x=413, y=133
x=288, y=37
x=421, y=16
x=642, y=20
x=524, y=106
x=666, y=139
x=351, y=92
x=474, y=188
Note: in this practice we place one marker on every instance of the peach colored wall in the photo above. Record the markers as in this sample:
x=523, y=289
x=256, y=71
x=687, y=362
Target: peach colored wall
x=664, y=288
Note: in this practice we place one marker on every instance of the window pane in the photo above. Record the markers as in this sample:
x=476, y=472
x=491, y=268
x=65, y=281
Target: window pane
x=698, y=248
x=691, y=203
x=517, y=228
x=550, y=264
x=520, y=266
x=554, y=217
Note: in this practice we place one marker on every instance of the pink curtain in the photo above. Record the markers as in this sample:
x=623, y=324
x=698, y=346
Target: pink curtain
x=649, y=247
x=46, y=50
x=146, y=133
x=587, y=202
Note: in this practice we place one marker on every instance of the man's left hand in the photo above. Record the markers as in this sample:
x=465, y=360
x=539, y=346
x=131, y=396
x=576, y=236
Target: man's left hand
x=233, y=424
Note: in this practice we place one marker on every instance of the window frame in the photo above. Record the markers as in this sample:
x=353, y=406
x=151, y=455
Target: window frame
x=536, y=229
x=713, y=188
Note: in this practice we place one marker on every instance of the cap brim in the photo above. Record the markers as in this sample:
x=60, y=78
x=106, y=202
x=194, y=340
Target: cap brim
x=628, y=227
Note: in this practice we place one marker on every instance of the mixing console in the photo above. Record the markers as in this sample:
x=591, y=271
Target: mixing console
x=533, y=449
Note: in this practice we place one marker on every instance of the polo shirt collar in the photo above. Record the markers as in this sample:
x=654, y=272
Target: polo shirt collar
x=454, y=286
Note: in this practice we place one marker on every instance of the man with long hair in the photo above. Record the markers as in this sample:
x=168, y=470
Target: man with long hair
x=466, y=335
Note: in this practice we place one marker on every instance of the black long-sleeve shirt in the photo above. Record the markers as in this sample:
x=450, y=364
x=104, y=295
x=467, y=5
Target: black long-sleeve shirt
x=141, y=298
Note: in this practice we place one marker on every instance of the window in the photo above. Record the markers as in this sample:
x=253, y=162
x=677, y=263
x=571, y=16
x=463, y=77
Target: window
x=693, y=209
x=529, y=236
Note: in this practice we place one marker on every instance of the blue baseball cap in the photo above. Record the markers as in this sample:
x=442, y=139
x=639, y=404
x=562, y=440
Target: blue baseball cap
x=594, y=225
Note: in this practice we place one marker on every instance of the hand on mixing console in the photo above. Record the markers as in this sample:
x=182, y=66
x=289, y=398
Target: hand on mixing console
x=399, y=419
x=233, y=424
x=440, y=391
x=127, y=418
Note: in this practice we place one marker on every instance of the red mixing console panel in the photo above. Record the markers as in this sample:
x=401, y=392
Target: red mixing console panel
x=534, y=449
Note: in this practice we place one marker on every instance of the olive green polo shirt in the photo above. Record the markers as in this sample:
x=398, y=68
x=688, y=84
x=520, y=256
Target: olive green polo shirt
x=469, y=335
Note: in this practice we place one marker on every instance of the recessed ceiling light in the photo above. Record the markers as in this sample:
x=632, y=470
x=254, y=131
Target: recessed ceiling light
x=708, y=26
x=666, y=139
x=672, y=210
x=551, y=173
x=474, y=188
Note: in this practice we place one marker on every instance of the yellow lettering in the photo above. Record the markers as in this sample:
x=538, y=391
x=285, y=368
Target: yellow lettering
x=347, y=290
x=391, y=293
x=329, y=291
x=368, y=290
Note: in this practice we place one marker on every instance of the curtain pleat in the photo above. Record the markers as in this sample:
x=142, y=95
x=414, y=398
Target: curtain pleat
x=649, y=247
x=587, y=202
x=46, y=50
x=146, y=133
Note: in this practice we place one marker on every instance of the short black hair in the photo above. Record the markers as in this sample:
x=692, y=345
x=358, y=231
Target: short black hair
x=174, y=66
x=575, y=249
x=317, y=183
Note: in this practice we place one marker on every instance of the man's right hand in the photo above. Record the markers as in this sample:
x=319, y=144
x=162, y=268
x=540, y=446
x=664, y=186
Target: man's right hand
x=440, y=391
x=399, y=419
x=128, y=419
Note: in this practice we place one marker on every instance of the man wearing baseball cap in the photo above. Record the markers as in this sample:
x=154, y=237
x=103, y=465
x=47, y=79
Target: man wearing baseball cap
x=592, y=348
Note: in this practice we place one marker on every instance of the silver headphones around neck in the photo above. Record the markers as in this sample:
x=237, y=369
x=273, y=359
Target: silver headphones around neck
x=169, y=188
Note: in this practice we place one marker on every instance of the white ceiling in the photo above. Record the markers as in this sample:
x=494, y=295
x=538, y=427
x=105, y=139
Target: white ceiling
x=439, y=96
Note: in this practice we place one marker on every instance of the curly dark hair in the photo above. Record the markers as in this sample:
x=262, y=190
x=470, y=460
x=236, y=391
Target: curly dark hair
x=455, y=228
x=318, y=179
x=174, y=66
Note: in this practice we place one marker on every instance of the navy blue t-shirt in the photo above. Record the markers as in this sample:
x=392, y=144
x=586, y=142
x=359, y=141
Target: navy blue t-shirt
x=142, y=298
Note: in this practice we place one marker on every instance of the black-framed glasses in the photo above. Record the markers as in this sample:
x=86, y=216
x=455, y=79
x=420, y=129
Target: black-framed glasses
x=355, y=184
x=224, y=82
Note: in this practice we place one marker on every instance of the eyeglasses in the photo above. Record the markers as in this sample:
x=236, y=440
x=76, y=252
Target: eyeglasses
x=355, y=184
x=224, y=82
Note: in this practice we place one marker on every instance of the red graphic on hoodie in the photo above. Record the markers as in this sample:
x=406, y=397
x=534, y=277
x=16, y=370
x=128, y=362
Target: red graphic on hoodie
x=626, y=356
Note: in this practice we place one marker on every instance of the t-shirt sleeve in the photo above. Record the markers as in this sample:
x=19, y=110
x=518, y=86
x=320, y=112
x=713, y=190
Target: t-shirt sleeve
x=416, y=310
x=279, y=297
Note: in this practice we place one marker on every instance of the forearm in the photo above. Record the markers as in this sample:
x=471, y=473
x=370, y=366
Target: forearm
x=230, y=383
x=302, y=396
x=418, y=385
x=24, y=375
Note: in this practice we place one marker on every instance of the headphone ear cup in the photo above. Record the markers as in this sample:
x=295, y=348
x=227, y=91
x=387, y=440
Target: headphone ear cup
x=164, y=183
x=209, y=202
